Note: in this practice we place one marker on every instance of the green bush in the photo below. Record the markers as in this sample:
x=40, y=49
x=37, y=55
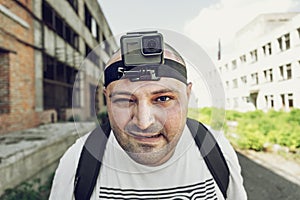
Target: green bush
x=257, y=128
x=31, y=190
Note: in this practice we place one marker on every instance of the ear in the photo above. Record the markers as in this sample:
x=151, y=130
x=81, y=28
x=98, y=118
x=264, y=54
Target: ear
x=105, y=92
x=189, y=89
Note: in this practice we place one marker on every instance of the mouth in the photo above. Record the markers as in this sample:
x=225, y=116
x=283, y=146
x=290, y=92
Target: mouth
x=144, y=137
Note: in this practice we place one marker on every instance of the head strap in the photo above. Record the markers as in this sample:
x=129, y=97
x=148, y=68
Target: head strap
x=170, y=69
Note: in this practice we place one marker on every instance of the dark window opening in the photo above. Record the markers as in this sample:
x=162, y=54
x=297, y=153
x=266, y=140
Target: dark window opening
x=74, y=4
x=4, y=82
x=283, y=100
x=87, y=18
x=279, y=40
x=57, y=24
x=291, y=103
x=288, y=71
x=48, y=14
x=58, y=83
x=287, y=41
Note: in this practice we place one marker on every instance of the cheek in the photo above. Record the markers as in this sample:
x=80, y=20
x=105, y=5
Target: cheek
x=120, y=116
x=175, y=119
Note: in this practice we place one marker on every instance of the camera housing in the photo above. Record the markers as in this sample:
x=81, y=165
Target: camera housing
x=140, y=48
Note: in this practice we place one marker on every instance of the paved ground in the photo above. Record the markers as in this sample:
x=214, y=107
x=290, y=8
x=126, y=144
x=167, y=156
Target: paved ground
x=263, y=183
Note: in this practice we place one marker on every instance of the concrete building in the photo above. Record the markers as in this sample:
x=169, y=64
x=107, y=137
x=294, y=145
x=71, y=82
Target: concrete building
x=42, y=46
x=264, y=70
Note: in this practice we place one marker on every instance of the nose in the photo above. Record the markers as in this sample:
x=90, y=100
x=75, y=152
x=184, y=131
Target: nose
x=143, y=115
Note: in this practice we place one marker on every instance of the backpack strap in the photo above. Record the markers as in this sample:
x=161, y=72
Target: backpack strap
x=92, y=153
x=90, y=162
x=211, y=153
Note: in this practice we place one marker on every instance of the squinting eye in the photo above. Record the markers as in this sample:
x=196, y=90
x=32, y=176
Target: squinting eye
x=123, y=100
x=163, y=99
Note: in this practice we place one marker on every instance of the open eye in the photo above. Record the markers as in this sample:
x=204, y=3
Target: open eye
x=163, y=99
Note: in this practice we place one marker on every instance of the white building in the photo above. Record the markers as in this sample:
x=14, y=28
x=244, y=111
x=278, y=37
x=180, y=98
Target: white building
x=264, y=70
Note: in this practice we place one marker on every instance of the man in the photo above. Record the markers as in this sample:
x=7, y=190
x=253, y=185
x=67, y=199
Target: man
x=150, y=152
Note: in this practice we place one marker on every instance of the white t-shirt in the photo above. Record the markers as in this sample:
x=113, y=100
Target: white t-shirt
x=184, y=176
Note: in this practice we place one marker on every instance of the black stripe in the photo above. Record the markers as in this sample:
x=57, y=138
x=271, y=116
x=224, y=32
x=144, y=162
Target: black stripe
x=190, y=192
x=210, y=181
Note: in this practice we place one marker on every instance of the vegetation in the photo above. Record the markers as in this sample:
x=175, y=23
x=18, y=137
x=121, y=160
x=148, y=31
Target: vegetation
x=31, y=190
x=256, y=130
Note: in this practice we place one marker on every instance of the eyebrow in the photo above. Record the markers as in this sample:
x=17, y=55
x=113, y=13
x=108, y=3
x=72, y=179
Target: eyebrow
x=120, y=93
x=153, y=93
x=164, y=91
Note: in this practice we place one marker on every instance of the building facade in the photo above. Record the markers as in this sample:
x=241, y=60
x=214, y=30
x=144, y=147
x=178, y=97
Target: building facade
x=264, y=70
x=43, y=44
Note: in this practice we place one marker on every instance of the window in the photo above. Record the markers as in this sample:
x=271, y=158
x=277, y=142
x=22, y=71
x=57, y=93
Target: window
x=59, y=26
x=58, y=82
x=279, y=40
x=4, y=82
x=74, y=4
x=220, y=69
x=269, y=101
x=246, y=99
x=91, y=23
x=106, y=45
x=226, y=67
x=287, y=100
x=244, y=80
x=253, y=55
x=283, y=100
x=87, y=18
x=234, y=65
x=55, y=22
x=284, y=42
x=94, y=29
x=254, y=78
x=285, y=71
x=287, y=41
x=268, y=75
x=243, y=59
x=87, y=50
x=288, y=71
x=48, y=14
x=227, y=84
x=267, y=49
x=290, y=100
x=234, y=83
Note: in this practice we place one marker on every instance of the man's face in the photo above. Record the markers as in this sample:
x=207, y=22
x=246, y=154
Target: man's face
x=148, y=117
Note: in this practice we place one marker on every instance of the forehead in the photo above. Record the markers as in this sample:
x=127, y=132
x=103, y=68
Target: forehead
x=146, y=87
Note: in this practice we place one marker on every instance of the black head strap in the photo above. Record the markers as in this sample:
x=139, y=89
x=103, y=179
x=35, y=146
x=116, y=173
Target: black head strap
x=170, y=69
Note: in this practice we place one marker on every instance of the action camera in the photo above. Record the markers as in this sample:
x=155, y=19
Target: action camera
x=140, y=48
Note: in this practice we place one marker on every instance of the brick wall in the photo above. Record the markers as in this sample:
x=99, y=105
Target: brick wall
x=17, y=78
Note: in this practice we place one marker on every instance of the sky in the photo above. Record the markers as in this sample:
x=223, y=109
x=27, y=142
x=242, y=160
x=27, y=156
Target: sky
x=203, y=21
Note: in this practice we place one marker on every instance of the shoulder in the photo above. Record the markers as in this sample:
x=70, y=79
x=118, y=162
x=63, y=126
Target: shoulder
x=236, y=189
x=63, y=182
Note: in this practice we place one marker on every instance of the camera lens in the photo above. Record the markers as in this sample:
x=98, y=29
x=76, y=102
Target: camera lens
x=151, y=45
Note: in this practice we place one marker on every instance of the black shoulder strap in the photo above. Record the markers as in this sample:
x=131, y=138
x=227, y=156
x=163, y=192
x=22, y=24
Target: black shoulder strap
x=211, y=153
x=93, y=151
x=90, y=162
